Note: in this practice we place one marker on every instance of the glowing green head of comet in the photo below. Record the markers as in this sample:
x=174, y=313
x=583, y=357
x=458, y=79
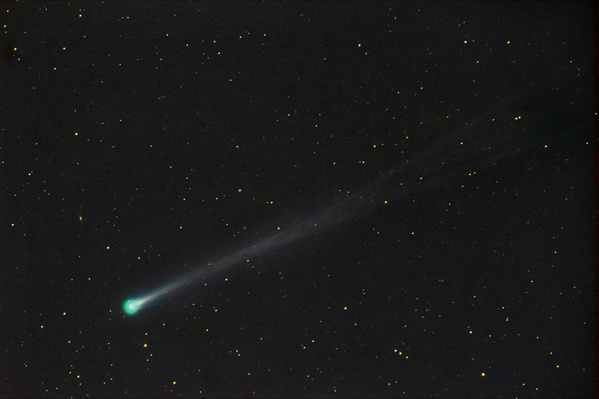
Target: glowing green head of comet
x=131, y=306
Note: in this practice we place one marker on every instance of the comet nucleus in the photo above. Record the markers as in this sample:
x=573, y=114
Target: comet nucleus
x=131, y=306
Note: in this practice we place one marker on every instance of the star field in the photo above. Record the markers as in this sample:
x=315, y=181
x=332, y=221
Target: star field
x=140, y=140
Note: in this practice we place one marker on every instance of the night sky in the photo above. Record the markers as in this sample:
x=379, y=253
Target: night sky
x=446, y=152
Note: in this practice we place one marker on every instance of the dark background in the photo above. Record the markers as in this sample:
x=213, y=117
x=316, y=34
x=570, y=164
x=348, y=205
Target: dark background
x=140, y=139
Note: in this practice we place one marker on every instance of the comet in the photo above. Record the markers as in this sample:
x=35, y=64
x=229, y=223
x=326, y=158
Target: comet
x=516, y=125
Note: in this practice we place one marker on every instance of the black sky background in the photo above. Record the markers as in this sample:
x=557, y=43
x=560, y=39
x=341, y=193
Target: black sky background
x=141, y=139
